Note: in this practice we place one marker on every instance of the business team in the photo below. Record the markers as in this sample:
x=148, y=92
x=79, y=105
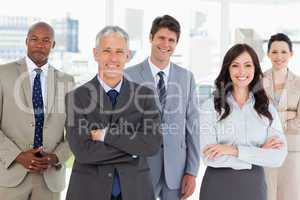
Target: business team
x=136, y=133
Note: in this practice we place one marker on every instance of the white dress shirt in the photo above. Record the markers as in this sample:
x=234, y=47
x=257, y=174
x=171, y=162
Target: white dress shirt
x=155, y=70
x=44, y=74
x=246, y=130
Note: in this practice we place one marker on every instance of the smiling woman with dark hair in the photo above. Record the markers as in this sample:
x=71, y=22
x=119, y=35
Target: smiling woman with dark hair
x=283, y=89
x=238, y=127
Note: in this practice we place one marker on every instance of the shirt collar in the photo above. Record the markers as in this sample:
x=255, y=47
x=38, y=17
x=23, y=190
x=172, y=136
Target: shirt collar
x=31, y=66
x=250, y=100
x=155, y=69
x=107, y=87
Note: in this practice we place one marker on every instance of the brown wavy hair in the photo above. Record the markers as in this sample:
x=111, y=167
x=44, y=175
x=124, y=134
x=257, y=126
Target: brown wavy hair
x=224, y=86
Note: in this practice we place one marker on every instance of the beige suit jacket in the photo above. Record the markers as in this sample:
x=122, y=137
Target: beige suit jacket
x=17, y=123
x=289, y=101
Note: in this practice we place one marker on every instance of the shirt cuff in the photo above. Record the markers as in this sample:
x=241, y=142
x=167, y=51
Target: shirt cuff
x=244, y=154
x=104, y=131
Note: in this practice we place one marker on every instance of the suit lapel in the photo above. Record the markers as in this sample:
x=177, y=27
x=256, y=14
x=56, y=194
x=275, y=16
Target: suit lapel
x=26, y=85
x=283, y=103
x=51, y=90
x=149, y=81
x=124, y=99
x=268, y=84
x=172, y=86
x=147, y=76
x=269, y=88
x=99, y=97
x=283, y=99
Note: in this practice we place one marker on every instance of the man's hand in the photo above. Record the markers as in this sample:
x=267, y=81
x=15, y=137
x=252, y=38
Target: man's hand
x=214, y=151
x=272, y=143
x=97, y=135
x=36, y=164
x=188, y=185
x=30, y=161
x=48, y=159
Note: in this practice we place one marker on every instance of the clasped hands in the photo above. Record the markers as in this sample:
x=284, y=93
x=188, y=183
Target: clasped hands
x=34, y=163
x=214, y=151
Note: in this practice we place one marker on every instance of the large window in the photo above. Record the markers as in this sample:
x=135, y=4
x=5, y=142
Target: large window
x=199, y=45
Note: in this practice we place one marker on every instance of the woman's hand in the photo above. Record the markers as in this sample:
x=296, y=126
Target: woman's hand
x=214, y=151
x=291, y=115
x=273, y=143
x=288, y=115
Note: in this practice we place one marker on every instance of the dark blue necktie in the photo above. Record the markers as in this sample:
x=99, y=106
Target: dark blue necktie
x=161, y=89
x=38, y=107
x=113, y=96
x=116, y=189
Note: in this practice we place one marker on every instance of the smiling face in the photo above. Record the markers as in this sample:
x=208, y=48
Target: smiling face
x=241, y=71
x=279, y=55
x=39, y=42
x=163, y=44
x=111, y=56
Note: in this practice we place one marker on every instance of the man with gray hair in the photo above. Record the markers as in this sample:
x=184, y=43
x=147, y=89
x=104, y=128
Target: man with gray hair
x=112, y=125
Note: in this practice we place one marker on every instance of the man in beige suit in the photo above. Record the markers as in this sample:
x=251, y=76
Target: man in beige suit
x=33, y=148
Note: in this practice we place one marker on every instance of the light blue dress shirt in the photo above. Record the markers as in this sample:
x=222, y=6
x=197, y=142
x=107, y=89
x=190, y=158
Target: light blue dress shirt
x=246, y=130
x=106, y=89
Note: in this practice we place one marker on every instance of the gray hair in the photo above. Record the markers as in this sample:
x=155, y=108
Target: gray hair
x=112, y=29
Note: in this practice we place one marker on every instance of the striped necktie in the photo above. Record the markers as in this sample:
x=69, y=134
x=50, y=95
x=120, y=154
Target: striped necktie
x=161, y=89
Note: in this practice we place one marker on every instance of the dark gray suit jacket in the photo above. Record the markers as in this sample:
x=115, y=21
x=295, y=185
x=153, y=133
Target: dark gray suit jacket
x=133, y=132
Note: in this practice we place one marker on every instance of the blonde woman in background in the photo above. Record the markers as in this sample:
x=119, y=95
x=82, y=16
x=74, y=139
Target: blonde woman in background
x=283, y=89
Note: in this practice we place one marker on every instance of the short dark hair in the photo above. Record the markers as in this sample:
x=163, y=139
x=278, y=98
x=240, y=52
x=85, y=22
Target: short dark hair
x=280, y=37
x=165, y=21
x=41, y=24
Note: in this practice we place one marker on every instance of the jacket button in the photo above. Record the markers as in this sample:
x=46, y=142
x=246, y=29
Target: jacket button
x=110, y=175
